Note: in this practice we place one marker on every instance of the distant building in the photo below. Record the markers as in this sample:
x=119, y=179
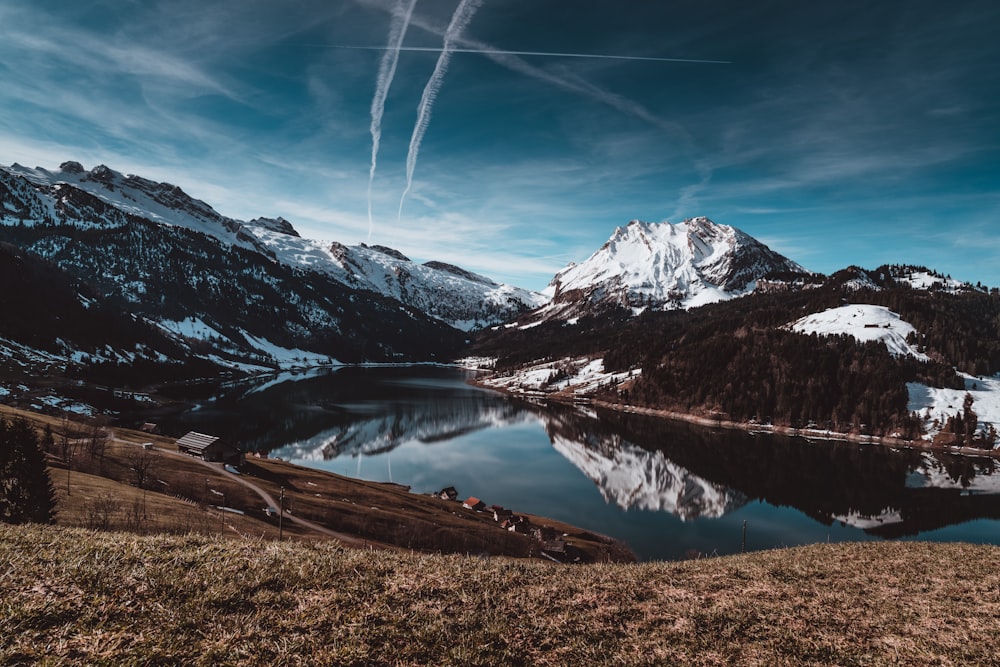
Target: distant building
x=449, y=493
x=474, y=503
x=517, y=524
x=500, y=514
x=210, y=448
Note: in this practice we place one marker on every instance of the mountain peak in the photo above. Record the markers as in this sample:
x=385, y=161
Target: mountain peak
x=278, y=224
x=71, y=167
x=102, y=173
x=669, y=265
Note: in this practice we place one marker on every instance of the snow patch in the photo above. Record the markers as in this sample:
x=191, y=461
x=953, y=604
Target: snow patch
x=935, y=405
x=192, y=327
x=864, y=323
x=923, y=280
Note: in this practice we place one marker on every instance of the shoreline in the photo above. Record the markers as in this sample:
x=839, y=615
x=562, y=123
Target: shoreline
x=698, y=420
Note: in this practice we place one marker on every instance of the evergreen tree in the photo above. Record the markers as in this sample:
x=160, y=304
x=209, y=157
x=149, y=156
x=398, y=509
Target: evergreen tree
x=26, y=493
x=970, y=418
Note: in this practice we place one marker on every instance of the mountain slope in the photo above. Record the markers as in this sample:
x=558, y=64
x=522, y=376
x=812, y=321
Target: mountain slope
x=57, y=331
x=74, y=196
x=667, y=266
x=166, y=257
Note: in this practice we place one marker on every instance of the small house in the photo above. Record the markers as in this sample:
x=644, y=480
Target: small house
x=210, y=448
x=474, y=504
x=449, y=493
x=555, y=547
x=517, y=524
x=500, y=514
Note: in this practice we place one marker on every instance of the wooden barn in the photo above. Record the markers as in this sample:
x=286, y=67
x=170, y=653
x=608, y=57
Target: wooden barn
x=210, y=448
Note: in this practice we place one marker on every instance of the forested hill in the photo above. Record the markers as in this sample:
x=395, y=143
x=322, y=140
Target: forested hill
x=741, y=360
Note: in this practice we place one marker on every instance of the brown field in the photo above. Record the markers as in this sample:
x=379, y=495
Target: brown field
x=72, y=596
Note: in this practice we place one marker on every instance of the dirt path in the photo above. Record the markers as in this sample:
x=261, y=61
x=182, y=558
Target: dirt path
x=269, y=500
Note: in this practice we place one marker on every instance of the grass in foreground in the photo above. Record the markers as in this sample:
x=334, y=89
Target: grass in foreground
x=74, y=596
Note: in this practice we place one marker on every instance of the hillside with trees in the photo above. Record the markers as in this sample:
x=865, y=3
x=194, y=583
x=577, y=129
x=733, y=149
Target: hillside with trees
x=740, y=361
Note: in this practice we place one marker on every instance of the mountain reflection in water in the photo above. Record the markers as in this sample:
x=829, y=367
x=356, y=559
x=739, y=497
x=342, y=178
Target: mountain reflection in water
x=665, y=488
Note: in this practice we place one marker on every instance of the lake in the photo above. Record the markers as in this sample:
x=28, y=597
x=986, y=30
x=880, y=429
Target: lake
x=668, y=490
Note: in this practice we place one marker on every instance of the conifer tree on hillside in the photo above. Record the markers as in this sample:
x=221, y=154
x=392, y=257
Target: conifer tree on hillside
x=26, y=493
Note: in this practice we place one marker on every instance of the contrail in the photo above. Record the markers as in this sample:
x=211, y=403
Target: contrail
x=547, y=54
x=386, y=72
x=459, y=20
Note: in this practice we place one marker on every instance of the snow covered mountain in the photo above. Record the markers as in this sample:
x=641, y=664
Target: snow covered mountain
x=665, y=265
x=103, y=197
x=210, y=282
x=246, y=294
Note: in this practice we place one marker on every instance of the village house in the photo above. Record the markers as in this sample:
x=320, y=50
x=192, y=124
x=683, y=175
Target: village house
x=210, y=448
x=474, y=504
x=517, y=524
x=500, y=514
x=448, y=493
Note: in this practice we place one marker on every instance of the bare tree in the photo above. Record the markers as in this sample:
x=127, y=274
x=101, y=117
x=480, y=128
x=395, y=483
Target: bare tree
x=101, y=511
x=142, y=463
x=97, y=440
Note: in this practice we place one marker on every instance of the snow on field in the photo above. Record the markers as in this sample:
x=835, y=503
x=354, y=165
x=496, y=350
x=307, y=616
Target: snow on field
x=925, y=281
x=191, y=327
x=66, y=405
x=581, y=375
x=933, y=404
x=865, y=323
x=476, y=363
x=288, y=358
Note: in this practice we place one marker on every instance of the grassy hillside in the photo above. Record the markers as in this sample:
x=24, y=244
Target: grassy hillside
x=75, y=596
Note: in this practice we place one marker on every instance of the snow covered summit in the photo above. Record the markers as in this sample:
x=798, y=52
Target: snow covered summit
x=666, y=265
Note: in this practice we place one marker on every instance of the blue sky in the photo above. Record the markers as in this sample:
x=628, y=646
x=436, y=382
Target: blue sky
x=836, y=132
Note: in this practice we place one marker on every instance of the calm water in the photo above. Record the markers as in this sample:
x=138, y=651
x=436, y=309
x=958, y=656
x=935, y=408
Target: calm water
x=667, y=490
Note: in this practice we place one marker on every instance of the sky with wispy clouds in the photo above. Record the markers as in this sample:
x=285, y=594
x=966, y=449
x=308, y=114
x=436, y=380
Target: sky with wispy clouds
x=837, y=132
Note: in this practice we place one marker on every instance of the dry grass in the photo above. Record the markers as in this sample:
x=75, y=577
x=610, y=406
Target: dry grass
x=74, y=596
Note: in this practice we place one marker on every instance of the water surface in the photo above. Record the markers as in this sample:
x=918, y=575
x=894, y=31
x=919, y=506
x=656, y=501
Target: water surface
x=669, y=490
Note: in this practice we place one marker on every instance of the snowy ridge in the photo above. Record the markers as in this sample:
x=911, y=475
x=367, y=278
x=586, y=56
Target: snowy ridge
x=864, y=323
x=460, y=298
x=665, y=265
x=451, y=294
x=924, y=279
